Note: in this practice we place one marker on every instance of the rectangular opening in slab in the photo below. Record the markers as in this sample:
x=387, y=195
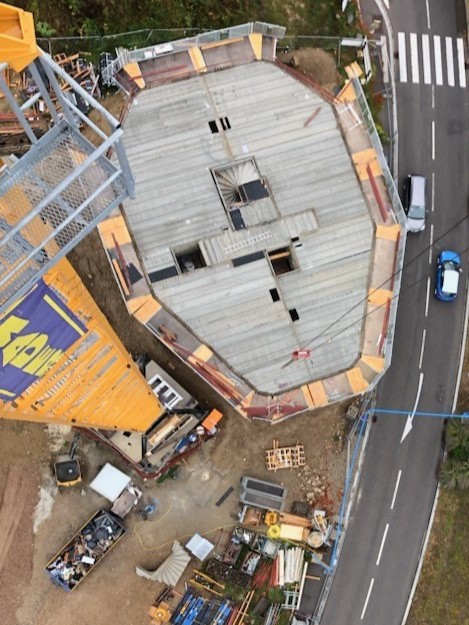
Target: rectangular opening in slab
x=274, y=295
x=213, y=126
x=190, y=258
x=281, y=261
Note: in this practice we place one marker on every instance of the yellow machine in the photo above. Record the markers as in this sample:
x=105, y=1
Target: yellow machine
x=271, y=517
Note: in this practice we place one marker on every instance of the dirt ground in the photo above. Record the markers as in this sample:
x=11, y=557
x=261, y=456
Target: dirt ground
x=37, y=519
x=319, y=65
x=113, y=593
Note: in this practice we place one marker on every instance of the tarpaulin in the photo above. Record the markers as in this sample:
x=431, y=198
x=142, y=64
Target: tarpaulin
x=34, y=333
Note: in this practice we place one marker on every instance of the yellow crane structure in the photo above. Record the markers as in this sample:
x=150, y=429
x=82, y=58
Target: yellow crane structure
x=61, y=362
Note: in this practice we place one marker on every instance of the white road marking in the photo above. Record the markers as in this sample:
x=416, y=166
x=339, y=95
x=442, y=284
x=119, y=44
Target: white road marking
x=367, y=598
x=433, y=191
x=428, y=297
x=402, y=57
x=430, y=249
x=410, y=417
x=449, y=61
x=419, y=390
x=382, y=543
x=433, y=140
x=428, y=15
x=385, y=58
x=424, y=336
x=461, y=66
x=386, y=2
x=395, y=489
x=414, y=57
x=427, y=71
x=433, y=96
x=438, y=64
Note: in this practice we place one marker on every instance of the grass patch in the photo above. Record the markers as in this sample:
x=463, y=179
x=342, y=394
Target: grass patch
x=441, y=595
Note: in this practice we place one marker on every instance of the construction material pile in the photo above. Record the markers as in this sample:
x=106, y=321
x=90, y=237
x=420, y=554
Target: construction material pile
x=193, y=608
x=85, y=550
x=79, y=68
x=227, y=573
x=289, y=566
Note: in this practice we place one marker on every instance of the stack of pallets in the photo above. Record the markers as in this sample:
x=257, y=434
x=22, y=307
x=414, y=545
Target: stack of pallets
x=285, y=457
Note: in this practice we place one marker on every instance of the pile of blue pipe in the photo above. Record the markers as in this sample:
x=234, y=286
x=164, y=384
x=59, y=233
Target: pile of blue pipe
x=193, y=609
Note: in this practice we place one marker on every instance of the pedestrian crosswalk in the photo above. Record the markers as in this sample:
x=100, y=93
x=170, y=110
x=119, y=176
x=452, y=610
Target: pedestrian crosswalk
x=428, y=59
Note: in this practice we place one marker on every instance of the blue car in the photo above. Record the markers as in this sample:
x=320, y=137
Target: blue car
x=447, y=276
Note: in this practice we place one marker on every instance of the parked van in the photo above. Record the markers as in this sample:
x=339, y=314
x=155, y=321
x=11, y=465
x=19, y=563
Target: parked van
x=414, y=202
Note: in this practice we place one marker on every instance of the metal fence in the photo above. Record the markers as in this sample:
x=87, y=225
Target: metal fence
x=148, y=37
x=397, y=209
x=358, y=434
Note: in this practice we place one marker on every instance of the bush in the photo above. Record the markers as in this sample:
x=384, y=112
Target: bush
x=455, y=469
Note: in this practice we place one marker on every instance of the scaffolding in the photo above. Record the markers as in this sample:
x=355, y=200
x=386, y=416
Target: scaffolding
x=65, y=185
x=61, y=362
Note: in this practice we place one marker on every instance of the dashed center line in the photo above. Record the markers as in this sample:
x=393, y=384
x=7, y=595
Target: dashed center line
x=430, y=249
x=427, y=302
x=433, y=140
x=433, y=191
x=424, y=336
x=428, y=14
x=395, y=489
x=382, y=543
x=367, y=598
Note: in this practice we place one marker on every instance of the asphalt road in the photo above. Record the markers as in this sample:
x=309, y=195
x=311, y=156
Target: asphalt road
x=384, y=539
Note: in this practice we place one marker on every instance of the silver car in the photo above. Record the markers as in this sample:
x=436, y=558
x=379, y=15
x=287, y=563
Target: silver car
x=414, y=202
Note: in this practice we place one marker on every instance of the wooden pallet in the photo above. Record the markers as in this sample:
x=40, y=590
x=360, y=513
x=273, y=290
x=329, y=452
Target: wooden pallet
x=285, y=457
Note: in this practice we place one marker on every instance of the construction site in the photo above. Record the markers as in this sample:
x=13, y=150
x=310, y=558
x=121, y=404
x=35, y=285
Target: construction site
x=198, y=243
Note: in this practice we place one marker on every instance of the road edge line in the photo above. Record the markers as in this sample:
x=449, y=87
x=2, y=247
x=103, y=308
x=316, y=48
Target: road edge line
x=422, y=557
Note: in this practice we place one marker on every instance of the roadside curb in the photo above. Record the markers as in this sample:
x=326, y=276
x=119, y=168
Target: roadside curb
x=353, y=491
x=356, y=479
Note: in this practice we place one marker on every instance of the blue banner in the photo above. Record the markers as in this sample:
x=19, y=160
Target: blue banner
x=34, y=333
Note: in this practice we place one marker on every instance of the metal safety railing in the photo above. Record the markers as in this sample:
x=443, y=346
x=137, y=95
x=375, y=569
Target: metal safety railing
x=398, y=212
x=213, y=36
x=352, y=474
